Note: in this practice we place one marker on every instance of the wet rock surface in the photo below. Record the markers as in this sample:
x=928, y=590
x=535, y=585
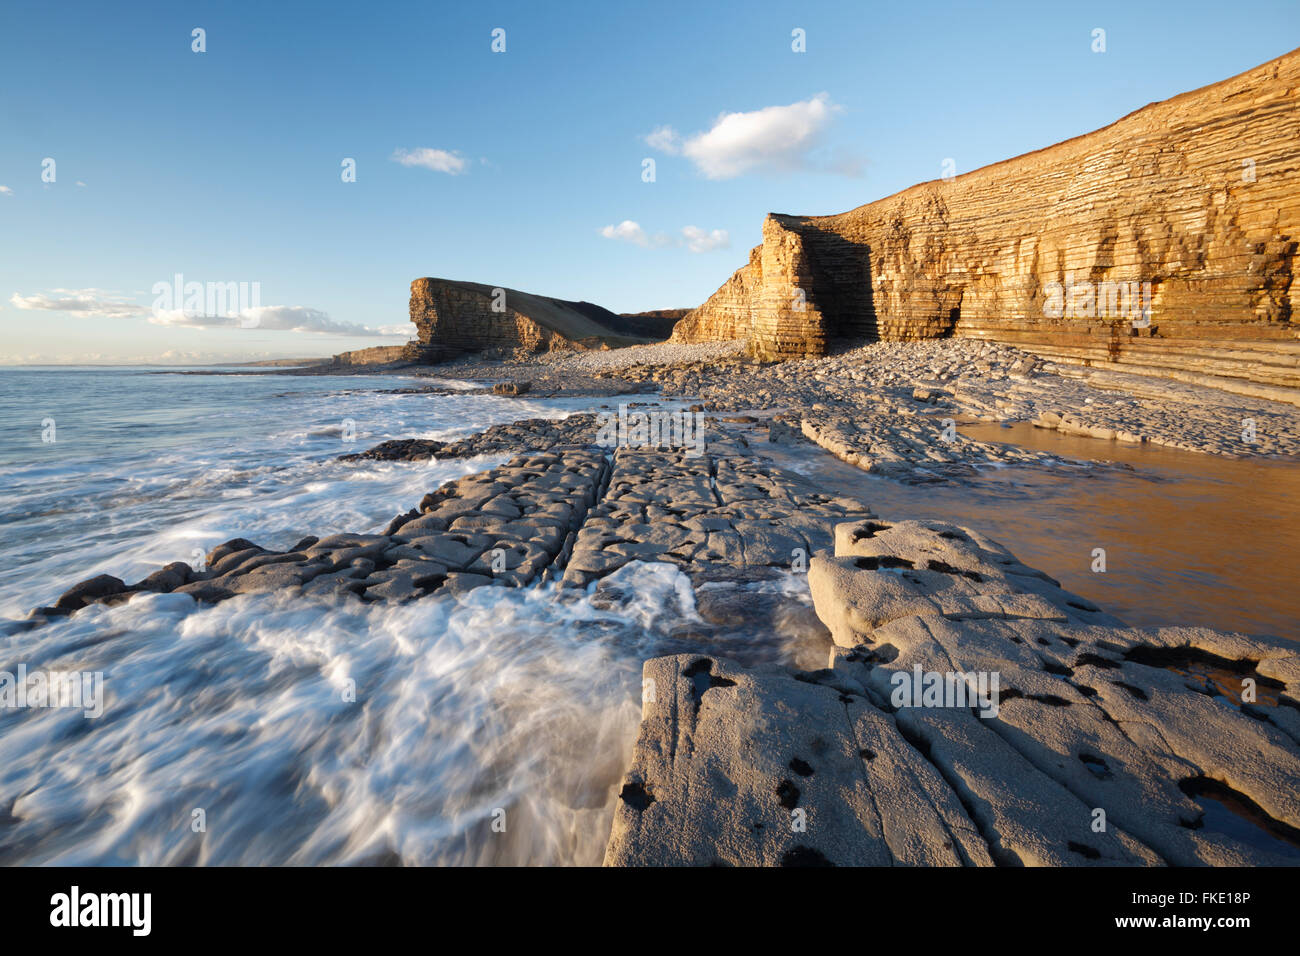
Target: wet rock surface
x=1094, y=747
x=505, y=526
x=576, y=512
x=533, y=433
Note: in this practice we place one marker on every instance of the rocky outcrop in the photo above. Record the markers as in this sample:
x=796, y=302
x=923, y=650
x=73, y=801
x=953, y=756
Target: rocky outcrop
x=728, y=313
x=454, y=318
x=1197, y=196
x=503, y=527
x=1053, y=735
x=1095, y=744
x=779, y=301
x=563, y=511
x=375, y=355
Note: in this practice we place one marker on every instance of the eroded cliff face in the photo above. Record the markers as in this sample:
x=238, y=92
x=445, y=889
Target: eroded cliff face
x=1165, y=242
x=453, y=318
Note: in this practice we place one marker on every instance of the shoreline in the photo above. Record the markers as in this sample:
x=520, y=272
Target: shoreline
x=731, y=755
x=984, y=381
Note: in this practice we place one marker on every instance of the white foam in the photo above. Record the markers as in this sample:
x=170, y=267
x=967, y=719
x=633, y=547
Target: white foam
x=516, y=700
x=89, y=506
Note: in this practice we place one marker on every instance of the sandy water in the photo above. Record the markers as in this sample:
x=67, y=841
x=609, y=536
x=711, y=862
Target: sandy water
x=1188, y=538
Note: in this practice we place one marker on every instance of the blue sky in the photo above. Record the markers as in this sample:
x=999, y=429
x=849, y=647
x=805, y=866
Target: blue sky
x=523, y=168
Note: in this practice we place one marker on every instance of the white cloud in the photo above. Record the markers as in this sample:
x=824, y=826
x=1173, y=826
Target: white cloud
x=98, y=304
x=275, y=318
x=664, y=139
x=93, y=303
x=697, y=240
x=773, y=138
x=627, y=231
x=6, y=191
x=693, y=238
x=439, y=160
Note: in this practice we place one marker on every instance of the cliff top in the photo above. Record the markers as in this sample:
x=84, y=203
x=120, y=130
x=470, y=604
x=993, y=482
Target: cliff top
x=1162, y=115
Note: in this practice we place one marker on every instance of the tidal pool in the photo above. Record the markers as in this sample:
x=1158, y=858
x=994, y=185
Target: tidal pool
x=1188, y=538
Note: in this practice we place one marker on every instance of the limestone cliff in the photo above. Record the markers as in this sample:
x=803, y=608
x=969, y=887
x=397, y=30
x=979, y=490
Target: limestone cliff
x=453, y=318
x=1165, y=242
x=375, y=355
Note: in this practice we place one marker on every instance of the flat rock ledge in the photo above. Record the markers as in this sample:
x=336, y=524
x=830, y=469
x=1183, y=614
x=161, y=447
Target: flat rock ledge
x=1108, y=745
x=539, y=433
x=505, y=526
x=704, y=513
x=573, y=514
x=912, y=448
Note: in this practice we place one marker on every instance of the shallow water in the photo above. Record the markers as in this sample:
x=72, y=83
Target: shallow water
x=1188, y=538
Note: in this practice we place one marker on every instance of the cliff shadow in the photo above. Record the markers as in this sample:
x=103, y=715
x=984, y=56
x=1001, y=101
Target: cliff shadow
x=841, y=270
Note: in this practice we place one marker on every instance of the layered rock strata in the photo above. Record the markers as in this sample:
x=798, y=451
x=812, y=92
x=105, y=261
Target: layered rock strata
x=1105, y=745
x=454, y=318
x=1198, y=196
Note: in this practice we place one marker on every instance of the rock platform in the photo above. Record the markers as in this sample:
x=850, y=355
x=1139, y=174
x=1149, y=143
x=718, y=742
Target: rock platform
x=1104, y=744
x=569, y=511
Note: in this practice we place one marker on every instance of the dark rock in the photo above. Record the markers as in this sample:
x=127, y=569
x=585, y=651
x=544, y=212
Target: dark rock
x=88, y=591
x=232, y=560
x=400, y=520
x=167, y=578
x=205, y=591
x=230, y=547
